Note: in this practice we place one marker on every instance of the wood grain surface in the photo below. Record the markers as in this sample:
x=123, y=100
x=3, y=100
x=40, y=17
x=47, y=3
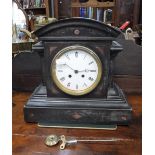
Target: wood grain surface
x=28, y=139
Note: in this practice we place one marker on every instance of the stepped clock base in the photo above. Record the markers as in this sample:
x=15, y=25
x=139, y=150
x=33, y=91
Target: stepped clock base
x=95, y=111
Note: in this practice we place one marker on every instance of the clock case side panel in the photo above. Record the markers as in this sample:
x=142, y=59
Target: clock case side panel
x=52, y=48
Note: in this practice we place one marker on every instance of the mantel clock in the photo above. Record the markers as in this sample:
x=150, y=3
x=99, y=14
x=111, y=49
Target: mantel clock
x=77, y=85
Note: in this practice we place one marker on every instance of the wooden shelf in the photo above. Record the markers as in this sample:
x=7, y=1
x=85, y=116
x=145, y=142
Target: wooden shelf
x=42, y=9
x=37, y=8
x=92, y=3
x=37, y=11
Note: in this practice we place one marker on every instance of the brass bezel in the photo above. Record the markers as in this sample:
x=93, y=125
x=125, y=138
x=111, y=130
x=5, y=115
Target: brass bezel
x=76, y=92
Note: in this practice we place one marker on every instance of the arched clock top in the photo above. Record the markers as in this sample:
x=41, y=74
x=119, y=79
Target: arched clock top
x=77, y=28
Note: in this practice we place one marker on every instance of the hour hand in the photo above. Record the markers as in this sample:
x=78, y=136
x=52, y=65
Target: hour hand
x=88, y=70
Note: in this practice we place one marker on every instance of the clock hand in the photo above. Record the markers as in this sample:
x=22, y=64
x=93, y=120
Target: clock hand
x=70, y=67
x=86, y=70
x=75, y=71
x=67, y=66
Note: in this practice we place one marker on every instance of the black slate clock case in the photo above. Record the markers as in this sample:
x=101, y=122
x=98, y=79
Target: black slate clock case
x=107, y=97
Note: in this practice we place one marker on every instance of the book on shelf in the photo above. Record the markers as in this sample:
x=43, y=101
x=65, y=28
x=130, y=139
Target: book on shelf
x=38, y=3
x=83, y=12
x=87, y=12
x=43, y=5
x=99, y=14
x=25, y=4
x=51, y=10
x=31, y=3
x=90, y=12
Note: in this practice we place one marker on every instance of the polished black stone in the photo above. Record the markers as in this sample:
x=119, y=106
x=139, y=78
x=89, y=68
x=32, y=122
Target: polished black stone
x=111, y=110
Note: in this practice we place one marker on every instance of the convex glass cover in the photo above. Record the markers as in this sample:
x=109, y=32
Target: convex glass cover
x=76, y=70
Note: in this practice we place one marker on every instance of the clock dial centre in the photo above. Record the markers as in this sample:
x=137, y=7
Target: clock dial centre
x=76, y=71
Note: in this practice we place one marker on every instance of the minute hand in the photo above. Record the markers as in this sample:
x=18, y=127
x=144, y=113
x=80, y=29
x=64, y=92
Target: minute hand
x=67, y=66
x=70, y=67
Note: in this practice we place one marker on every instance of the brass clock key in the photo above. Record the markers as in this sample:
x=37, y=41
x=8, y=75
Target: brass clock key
x=52, y=140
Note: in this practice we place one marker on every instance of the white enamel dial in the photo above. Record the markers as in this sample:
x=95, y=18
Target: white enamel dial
x=76, y=70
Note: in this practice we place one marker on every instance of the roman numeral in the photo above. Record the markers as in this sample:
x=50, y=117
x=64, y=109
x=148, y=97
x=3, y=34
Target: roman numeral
x=62, y=79
x=76, y=54
x=67, y=56
x=68, y=84
x=91, y=62
x=91, y=79
x=76, y=86
x=85, y=85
